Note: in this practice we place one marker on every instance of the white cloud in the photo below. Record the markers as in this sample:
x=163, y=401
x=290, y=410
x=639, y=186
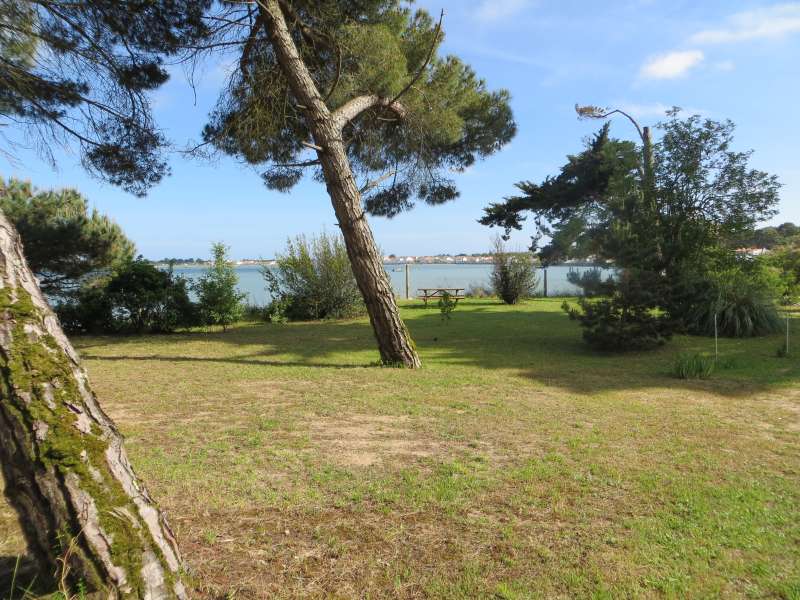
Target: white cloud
x=770, y=22
x=672, y=64
x=496, y=10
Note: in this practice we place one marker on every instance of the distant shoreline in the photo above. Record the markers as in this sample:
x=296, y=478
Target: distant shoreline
x=395, y=263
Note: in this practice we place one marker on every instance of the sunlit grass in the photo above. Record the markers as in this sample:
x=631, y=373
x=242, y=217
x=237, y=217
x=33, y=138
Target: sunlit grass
x=515, y=464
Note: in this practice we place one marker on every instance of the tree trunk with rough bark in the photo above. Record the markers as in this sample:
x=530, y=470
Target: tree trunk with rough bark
x=80, y=504
x=394, y=341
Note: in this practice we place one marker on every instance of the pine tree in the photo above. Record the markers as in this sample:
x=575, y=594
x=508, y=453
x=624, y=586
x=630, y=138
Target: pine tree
x=357, y=93
x=81, y=506
x=64, y=242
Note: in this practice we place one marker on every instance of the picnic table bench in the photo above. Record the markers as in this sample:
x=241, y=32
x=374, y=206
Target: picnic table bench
x=426, y=294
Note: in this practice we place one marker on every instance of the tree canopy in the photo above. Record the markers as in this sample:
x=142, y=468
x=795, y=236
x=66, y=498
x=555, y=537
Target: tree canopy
x=410, y=117
x=81, y=72
x=706, y=194
x=64, y=242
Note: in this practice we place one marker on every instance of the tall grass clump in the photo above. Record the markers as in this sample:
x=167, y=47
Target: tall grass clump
x=313, y=280
x=743, y=303
x=693, y=365
x=513, y=274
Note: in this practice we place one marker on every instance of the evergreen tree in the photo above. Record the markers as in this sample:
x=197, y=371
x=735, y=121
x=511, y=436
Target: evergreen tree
x=81, y=72
x=220, y=302
x=64, y=243
x=665, y=213
x=357, y=93
x=705, y=196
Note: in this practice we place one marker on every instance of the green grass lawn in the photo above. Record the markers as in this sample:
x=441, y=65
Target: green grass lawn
x=516, y=464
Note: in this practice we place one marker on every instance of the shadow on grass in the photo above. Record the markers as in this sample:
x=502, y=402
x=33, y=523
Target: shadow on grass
x=542, y=345
x=20, y=578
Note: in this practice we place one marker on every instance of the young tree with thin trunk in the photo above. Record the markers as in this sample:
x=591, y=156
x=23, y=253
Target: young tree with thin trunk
x=220, y=302
x=355, y=91
x=81, y=506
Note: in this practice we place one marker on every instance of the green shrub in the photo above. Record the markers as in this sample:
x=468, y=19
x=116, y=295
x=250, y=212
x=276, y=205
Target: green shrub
x=786, y=261
x=88, y=310
x=743, y=301
x=137, y=298
x=693, y=365
x=219, y=301
x=313, y=280
x=477, y=290
x=627, y=320
x=513, y=274
x=276, y=310
x=446, y=305
x=254, y=312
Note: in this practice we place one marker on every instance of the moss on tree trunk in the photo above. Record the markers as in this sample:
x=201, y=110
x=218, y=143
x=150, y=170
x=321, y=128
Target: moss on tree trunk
x=64, y=462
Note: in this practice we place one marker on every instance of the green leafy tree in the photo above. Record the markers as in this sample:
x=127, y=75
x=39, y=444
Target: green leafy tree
x=220, y=302
x=770, y=237
x=786, y=261
x=356, y=93
x=64, y=243
x=661, y=211
x=705, y=195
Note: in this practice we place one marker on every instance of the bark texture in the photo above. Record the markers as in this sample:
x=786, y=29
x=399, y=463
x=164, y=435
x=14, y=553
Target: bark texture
x=64, y=463
x=394, y=341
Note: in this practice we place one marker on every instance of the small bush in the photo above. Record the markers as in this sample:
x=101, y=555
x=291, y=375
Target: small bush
x=513, y=275
x=627, y=320
x=313, y=280
x=138, y=298
x=693, y=365
x=254, y=312
x=88, y=310
x=476, y=290
x=276, y=310
x=742, y=301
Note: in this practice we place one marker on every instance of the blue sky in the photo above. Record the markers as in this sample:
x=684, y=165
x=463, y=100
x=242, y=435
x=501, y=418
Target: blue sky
x=720, y=58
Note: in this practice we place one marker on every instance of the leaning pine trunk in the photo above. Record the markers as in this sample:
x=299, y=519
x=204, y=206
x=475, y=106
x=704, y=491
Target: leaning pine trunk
x=81, y=506
x=394, y=341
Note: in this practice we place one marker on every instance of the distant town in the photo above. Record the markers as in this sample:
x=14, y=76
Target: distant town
x=389, y=259
x=437, y=259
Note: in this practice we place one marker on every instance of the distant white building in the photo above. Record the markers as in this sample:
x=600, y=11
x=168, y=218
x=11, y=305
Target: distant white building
x=752, y=251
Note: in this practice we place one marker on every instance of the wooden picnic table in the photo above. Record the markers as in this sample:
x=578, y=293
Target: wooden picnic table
x=438, y=292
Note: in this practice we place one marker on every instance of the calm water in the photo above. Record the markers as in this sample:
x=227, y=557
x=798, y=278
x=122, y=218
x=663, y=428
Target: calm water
x=252, y=283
